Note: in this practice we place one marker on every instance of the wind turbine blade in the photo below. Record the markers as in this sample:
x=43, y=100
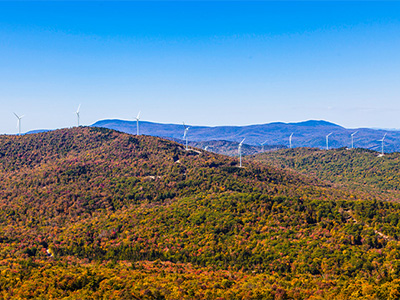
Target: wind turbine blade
x=79, y=107
x=138, y=116
x=16, y=115
x=22, y=116
x=241, y=143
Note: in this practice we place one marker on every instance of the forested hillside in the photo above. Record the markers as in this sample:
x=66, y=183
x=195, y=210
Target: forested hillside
x=90, y=213
x=354, y=168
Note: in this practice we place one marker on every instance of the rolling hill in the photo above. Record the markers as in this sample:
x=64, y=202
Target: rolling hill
x=357, y=169
x=91, y=213
x=305, y=134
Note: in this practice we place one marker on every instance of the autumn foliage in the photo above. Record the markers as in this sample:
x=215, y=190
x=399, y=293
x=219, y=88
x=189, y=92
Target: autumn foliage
x=89, y=213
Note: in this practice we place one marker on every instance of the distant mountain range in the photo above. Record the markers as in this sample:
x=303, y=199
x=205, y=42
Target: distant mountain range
x=305, y=134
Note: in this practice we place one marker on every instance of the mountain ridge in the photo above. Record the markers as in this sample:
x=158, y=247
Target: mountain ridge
x=311, y=133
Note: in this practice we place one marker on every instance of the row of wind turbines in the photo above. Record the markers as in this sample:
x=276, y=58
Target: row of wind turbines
x=327, y=141
x=78, y=115
x=20, y=117
x=186, y=129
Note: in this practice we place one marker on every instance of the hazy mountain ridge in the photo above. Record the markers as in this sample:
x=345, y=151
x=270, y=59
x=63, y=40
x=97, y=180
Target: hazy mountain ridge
x=305, y=134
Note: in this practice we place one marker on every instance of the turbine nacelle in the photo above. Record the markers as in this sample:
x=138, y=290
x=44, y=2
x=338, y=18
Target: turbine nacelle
x=241, y=143
x=138, y=116
x=381, y=140
x=185, y=130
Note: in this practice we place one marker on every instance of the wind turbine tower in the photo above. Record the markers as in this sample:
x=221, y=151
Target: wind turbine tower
x=352, y=139
x=185, y=135
x=19, y=123
x=262, y=145
x=382, y=153
x=137, y=123
x=327, y=141
x=78, y=114
x=290, y=141
x=240, y=152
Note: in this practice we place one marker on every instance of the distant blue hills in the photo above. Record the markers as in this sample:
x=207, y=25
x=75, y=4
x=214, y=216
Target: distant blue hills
x=305, y=134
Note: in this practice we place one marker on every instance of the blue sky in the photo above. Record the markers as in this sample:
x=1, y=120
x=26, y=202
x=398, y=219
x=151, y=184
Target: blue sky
x=205, y=63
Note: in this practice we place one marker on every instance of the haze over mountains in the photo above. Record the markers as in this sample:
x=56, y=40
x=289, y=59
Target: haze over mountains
x=305, y=134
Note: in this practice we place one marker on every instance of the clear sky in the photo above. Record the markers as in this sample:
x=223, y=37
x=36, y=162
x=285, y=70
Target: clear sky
x=205, y=63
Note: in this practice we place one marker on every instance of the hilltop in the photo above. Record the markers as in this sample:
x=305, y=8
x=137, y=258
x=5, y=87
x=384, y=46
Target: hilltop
x=91, y=213
x=305, y=134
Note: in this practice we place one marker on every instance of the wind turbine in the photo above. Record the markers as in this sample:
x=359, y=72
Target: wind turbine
x=205, y=148
x=19, y=123
x=262, y=145
x=78, y=113
x=382, y=154
x=327, y=141
x=352, y=142
x=137, y=123
x=290, y=140
x=185, y=134
x=240, y=152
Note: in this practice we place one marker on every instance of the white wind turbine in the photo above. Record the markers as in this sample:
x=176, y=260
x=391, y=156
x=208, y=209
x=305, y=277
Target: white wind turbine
x=327, y=141
x=205, y=148
x=78, y=113
x=352, y=139
x=137, y=123
x=19, y=123
x=185, y=134
x=240, y=152
x=290, y=140
x=382, y=153
x=262, y=145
